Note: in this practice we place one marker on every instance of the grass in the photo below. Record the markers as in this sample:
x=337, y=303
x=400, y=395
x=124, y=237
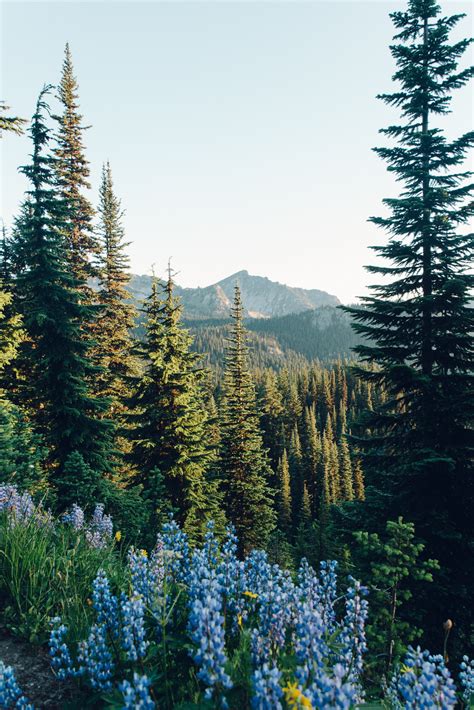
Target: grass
x=47, y=572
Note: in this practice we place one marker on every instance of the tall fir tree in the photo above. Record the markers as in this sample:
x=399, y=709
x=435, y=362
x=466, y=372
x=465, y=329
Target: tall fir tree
x=244, y=464
x=53, y=353
x=167, y=420
x=419, y=321
x=112, y=333
x=284, y=495
x=72, y=170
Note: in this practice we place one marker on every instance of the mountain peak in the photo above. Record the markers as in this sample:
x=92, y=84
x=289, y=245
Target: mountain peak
x=261, y=297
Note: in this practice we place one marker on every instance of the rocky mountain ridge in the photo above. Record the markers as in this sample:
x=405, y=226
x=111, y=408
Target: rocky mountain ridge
x=262, y=298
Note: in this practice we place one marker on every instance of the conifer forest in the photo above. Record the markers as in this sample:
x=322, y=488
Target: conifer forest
x=202, y=513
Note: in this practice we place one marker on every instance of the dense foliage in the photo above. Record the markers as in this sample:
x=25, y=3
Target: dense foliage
x=240, y=465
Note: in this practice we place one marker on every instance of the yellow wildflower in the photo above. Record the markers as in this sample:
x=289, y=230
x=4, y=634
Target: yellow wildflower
x=251, y=595
x=240, y=621
x=118, y=536
x=295, y=698
x=144, y=553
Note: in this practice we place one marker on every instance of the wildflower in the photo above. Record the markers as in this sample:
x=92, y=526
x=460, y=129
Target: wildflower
x=136, y=695
x=133, y=627
x=118, y=536
x=427, y=683
x=295, y=698
x=19, y=506
x=267, y=689
x=96, y=659
x=466, y=678
x=61, y=660
x=11, y=695
x=176, y=548
x=105, y=603
x=240, y=621
x=206, y=623
x=75, y=517
x=100, y=528
x=144, y=553
x=250, y=595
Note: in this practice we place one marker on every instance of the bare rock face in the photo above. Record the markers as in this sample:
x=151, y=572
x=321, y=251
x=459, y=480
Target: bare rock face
x=261, y=297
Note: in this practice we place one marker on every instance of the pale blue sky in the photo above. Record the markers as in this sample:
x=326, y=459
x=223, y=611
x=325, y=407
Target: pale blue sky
x=239, y=133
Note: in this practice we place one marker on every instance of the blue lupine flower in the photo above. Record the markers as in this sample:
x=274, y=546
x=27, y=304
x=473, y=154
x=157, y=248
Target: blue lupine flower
x=61, y=660
x=423, y=683
x=328, y=591
x=176, y=550
x=105, y=603
x=11, y=695
x=466, y=678
x=100, y=528
x=96, y=659
x=206, y=623
x=136, y=695
x=19, y=506
x=133, y=627
x=351, y=641
x=74, y=517
x=267, y=688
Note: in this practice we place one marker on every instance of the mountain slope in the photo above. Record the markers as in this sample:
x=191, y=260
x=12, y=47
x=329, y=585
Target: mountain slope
x=262, y=297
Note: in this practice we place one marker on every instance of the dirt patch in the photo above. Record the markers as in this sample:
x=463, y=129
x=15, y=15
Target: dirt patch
x=33, y=673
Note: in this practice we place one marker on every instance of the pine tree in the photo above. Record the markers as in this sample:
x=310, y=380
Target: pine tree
x=53, y=353
x=12, y=124
x=295, y=460
x=358, y=482
x=419, y=322
x=312, y=453
x=72, y=170
x=284, y=495
x=345, y=471
x=168, y=422
x=244, y=464
x=11, y=332
x=112, y=333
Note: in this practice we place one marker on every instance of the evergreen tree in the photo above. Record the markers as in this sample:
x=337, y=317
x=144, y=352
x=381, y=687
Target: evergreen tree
x=10, y=329
x=312, y=453
x=168, y=422
x=295, y=460
x=112, y=333
x=419, y=322
x=244, y=464
x=345, y=471
x=284, y=494
x=53, y=354
x=13, y=124
x=358, y=482
x=72, y=170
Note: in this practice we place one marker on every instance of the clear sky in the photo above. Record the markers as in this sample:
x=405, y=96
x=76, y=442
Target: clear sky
x=239, y=133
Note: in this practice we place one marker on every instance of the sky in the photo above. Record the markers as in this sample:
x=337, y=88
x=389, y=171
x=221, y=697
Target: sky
x=239, y=133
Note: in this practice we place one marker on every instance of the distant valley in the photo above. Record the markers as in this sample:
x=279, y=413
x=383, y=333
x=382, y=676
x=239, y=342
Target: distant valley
x=286, y=323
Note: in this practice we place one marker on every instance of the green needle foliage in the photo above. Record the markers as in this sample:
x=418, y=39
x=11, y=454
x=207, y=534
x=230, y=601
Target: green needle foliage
x=112, y=333
x=12, y=124
x=72, y=170
x=419, y=322
x=167, y=420
x=53, y=354
x=391, y=567
x=243, y=461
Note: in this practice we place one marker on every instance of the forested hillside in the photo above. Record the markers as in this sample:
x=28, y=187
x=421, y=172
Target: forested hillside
x=192, y=481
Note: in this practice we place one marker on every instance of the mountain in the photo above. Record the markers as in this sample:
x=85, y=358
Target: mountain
x=262, y=297
x=322, y=334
